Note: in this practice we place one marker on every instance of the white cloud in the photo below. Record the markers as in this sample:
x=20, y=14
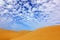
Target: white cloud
x=32, y=21
x=1, y=2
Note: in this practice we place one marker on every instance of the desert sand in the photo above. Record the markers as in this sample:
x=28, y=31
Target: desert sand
x=8, y=34
x=46, y=33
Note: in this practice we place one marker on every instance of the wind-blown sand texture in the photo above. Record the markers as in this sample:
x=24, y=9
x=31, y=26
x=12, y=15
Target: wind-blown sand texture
x=46, y=33
x=8, y=34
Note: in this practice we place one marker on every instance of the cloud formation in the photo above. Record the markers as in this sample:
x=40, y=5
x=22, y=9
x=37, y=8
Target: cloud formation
x=32, y=13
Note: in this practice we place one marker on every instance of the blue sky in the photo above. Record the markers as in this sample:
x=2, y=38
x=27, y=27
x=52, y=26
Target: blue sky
x=29, y=14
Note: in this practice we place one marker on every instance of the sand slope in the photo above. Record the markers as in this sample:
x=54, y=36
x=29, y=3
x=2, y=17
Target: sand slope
x=46, y=33
x=8, y=34
x=23, y=32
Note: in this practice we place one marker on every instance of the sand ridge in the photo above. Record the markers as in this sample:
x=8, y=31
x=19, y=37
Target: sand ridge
x=46, y=33
x=8, y=34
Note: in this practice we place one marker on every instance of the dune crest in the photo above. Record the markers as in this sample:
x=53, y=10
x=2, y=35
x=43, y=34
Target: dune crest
x=8, y=34
x=46, y=33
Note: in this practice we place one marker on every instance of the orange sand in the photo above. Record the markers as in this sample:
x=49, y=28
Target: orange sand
x=8, y=34
x=46, y=33
x=23, y=32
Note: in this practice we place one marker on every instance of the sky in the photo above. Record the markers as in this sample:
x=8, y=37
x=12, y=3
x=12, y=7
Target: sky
x=29, y=14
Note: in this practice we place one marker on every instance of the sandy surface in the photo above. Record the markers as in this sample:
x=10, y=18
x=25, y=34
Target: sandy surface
x=8, y=34
x=46, y=33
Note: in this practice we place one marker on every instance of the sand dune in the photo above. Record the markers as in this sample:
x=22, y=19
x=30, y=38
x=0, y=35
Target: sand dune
x=46, y=33
x=8, y=34
x=23, y=32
